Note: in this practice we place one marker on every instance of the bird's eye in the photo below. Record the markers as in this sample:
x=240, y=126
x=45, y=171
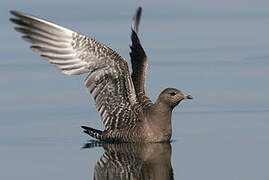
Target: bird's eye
x=172, y=93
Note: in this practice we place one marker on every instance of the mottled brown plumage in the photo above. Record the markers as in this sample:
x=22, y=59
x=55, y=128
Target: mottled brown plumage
x=127, y=113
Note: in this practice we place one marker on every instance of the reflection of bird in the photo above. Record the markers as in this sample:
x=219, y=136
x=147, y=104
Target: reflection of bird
x=149, y=161
x=127, y=113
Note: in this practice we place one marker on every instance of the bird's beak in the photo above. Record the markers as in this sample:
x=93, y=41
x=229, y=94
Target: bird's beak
x=188, y=97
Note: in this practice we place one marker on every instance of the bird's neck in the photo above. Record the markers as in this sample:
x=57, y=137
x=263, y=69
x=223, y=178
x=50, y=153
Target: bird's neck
x=161, y=120
x=163, y=110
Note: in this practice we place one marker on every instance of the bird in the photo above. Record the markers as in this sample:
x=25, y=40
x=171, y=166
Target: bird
x=120, y=97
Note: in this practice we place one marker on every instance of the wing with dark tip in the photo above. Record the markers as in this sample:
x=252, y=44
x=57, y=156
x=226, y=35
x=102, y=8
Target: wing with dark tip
x=139, y=60
x=109, y=80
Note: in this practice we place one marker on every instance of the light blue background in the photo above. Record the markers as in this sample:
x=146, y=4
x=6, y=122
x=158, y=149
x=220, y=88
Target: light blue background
x=216, y=51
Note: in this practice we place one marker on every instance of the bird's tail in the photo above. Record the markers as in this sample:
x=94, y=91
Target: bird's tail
x=97, y=134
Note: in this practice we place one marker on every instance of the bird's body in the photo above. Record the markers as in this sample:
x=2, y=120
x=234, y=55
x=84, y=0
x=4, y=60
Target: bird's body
x=120, y=97
x=155, y=126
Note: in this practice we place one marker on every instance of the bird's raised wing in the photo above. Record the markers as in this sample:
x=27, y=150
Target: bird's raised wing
x=139, y=61
x=109, y=80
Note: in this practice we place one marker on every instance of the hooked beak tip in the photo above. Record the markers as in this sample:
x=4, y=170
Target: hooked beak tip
x=188, y=97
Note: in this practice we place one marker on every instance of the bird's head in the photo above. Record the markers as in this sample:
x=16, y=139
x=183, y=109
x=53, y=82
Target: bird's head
x=172, y=97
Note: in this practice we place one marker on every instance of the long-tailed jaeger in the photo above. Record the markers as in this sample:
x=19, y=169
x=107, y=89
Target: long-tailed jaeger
x=120, y=97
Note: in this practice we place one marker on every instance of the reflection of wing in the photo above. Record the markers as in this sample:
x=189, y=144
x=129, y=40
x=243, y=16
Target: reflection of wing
x=109, y=81
x=114, y=166
x=134, y=161
x=139, y=61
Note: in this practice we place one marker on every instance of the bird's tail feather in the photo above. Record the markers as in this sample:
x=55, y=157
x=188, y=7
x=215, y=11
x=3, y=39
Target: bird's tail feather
x=93, y=132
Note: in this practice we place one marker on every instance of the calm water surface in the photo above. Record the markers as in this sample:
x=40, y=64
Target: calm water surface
x=215, y=51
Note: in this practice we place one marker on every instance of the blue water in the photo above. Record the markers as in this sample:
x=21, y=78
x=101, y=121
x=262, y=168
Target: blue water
x=215, y=51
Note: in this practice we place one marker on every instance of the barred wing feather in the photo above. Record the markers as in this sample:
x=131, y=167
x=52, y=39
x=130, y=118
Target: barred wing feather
x=109, y=80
